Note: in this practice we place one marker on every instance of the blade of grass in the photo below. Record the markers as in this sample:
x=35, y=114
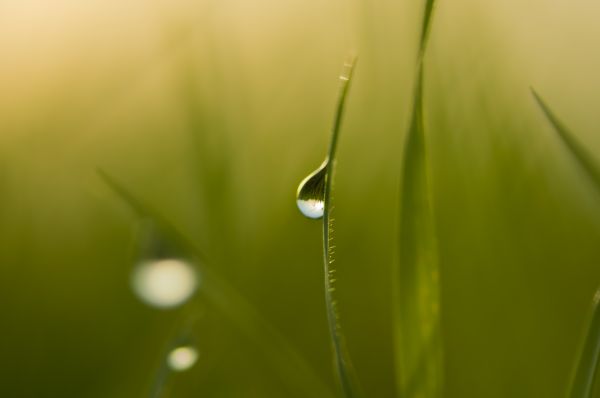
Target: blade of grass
x=425, y=27
x=342, y=360
x=584, y=158
x=584, y=377
x=284, y=358
x=416, y=290
x=586, y=367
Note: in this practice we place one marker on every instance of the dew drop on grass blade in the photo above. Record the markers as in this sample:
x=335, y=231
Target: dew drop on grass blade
x=310, y=197
x=164, y=276
x=314, y=201
x=182, y=358
x=179, y=355
x=416, y=290
x=286, y=361
x=164, y=283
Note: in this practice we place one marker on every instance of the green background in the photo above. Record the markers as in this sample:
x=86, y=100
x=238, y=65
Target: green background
x=214, y=111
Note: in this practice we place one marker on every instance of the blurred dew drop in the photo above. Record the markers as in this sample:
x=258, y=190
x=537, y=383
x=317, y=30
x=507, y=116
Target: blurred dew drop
x=182, y=358
x=310, y=197
x=164, y=283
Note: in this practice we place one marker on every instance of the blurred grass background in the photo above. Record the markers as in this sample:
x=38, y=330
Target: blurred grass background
x=214, y=111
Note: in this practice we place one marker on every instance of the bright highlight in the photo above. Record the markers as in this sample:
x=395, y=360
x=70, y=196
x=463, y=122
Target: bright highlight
x=182, y=358
x=164, y=283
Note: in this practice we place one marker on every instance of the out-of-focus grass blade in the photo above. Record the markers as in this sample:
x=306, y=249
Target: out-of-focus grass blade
x=418, y=345
x=343, y=363
x=585, y=373
x=284, y=358
x=584, y=158
x=425, y=27
x=417, y=329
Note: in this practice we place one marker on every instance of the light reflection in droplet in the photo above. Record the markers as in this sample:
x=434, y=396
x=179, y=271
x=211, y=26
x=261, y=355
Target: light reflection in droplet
x=311, y=208
x=182, y=358
x=164, y=283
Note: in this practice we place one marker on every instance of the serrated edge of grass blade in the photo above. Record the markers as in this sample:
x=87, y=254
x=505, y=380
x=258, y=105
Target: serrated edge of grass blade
x=585, y=159
x=285, y=359
x=343, y=364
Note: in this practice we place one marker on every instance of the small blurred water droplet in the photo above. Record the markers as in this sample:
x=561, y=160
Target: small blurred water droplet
x=164, y=283
x=310, y=197
x=182, y=358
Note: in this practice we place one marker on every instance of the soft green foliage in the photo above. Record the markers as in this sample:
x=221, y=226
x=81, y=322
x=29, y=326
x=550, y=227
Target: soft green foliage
x=418, y=337
x=212, y=112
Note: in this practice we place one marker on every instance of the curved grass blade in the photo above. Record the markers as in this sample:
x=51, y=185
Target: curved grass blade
x=284, y=358
x=342, y=360
x=585, y=159
x=585, y=373
x=417, y=329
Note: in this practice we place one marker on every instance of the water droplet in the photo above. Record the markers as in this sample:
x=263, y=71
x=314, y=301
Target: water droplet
x=164, y=283
x=182, y=358
x=311, y=193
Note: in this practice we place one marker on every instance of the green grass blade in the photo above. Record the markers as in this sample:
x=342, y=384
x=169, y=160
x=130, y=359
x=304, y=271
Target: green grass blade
x=416, y=290
x=139, y=208
x=584, y=158
x=342, y=360
x=418, y=341
x=291, y=366
x=425, y=27
x=587, y=366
